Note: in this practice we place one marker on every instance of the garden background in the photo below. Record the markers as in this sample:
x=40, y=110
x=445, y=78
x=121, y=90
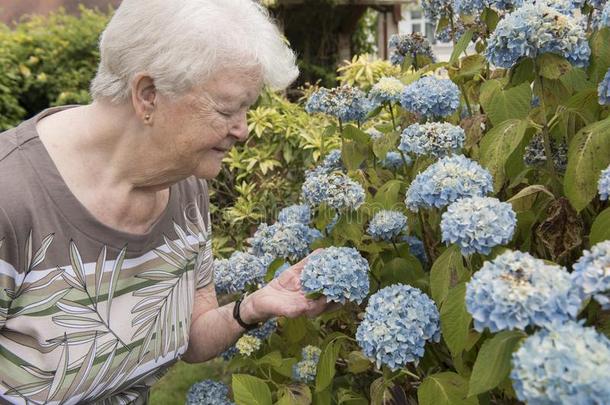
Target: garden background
x=537, y=123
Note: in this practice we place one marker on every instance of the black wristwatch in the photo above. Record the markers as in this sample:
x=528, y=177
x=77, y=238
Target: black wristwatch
x=237, y=316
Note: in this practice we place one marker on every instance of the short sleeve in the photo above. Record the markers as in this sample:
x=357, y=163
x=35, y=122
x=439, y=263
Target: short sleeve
x=205, y=259
x=205, y=263
x=8, y=272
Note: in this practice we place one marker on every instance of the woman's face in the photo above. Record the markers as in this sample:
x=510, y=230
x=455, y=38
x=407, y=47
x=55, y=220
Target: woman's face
x=200, y=127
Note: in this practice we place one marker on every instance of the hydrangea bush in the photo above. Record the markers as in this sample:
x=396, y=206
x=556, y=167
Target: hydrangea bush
x=461, y=214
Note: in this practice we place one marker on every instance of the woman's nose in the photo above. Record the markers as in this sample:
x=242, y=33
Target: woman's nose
x=239, y=128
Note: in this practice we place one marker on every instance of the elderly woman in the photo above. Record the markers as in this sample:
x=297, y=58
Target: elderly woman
x=105, y=264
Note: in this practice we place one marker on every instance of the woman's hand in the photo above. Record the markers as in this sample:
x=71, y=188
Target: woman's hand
x=282, y=297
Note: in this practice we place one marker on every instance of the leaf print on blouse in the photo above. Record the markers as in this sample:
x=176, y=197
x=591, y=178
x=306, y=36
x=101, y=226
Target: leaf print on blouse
x=95, y=362
x=31, y=261
x=161, y=316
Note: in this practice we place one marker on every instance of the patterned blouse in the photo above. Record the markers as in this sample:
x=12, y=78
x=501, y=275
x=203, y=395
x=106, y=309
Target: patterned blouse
x=89, y=314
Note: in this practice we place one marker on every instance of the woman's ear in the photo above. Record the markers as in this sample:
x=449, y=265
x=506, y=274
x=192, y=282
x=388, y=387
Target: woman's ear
x=144, y=96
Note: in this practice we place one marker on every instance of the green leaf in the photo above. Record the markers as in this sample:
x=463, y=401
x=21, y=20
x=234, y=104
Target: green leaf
x=455, y=319
x=576, y=81
x=522, y=72
x=498, y=145
x=353, y=154
x=493, y=362
x=355, y=134
x=488, y=91
x=585, y=105
x=384, y=144
x=600, y=230
x=348, y=227
x=294, y=329
x=553, y=66
x=250, y=390
x=588, y=155
x=388, y=195
x=447, y=271
x=357, y=362
x=470, y=66
x=600, y=54
x=380, y=394
x=524, y=199
x=404, y=270
x=461, y=46
x=445, y=389
x=296, y=394
x=273, y=359
x=512, y=103
x=326, y=365
x=324, y=216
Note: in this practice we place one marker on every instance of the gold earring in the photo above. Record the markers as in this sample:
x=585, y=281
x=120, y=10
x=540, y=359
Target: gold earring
x=147, y=117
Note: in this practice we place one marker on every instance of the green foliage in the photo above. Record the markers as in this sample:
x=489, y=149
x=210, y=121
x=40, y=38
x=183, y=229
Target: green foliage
x=445, y=389
x=47, y=61
x=493, y=362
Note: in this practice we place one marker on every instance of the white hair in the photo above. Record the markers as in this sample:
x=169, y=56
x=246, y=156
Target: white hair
x=181, y=43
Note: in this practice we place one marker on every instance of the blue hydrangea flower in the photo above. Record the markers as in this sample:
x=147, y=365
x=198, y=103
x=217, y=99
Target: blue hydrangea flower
x=386, y=90
x=412, y=45
x=516, y=290
x=469, y=7
x=505, y=5
x=305, y=371
x=604, y=20
x=295, y=213
x=569, y=364
x=310, y=352
x=247, y=344
x=477, y=224
x=316, y=101
x=332, y=161
x=288, y=241
x=534, y=29
x=447, y=180
x=604, y=184
x=598, y=4
x=416, y=248
x=592, y=273
x=237, y=272
x=434, y=138
x=374, y=133
x=346, y=103
x=603, y=90
x=208, y=392
x=431, y=97
x=387, y=225
x=394, y=161
x=398, y=321
x=261, y=333
x=338, y=273
x=436, y=9
x=335, y=189
x=566, y=7
x=535, y=156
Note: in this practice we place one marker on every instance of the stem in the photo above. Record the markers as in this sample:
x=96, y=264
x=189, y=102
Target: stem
x=392, y=115
x=405, y=163
x=341, y=127
x=425, y=236
x=545, y=131
x=468, y=106
x=107, y=325
x=322, y=147
x=396, y=248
